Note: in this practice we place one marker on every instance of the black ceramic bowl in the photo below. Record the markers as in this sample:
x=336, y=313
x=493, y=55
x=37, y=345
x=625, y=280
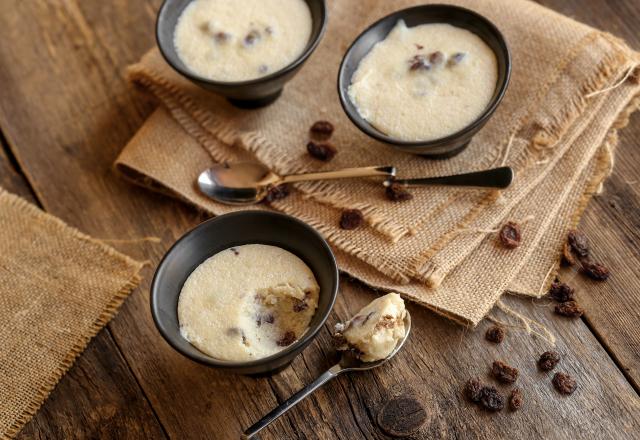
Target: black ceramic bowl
x=456, y=16
x=246, y=94
x=236, y=229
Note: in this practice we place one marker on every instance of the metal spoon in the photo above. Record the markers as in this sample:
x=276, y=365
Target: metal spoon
x=347, y=364
x=494, y=178
x=245, y=183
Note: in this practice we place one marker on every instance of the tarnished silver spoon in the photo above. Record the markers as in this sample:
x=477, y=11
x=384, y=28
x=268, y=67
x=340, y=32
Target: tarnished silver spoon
x=347, y=364
x=245, y=183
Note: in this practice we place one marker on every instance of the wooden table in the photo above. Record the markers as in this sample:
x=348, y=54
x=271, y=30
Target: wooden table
x=65, y=113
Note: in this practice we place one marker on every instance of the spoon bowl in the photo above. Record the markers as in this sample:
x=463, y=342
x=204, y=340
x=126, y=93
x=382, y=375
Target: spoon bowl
x=347, y=363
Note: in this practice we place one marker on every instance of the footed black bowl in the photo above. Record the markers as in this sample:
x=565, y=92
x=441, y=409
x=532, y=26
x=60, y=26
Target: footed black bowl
x=245, y=94
x=456, y=16
x=217, y=234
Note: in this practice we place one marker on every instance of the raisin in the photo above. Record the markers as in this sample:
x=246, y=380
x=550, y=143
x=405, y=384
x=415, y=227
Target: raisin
x=456, y=59
x=287, y=339
x=252, y=38
x=570, y=309
x=436, y=58
x=419, y=62
x=595, y=271
x=548, y=360
x=491, y=399
x=351, y=219
x=495, y=334
x=397, y=192
x=339, y=341
x=516, y=399
x=510, y=235
x=277, y=193
x=300, y=305
x=221, y=37
x=561, y=292
x=564, y=383
x=503, y=372
x=322, y=130
x=324, y=152
x=473, y=388
x=578, y=243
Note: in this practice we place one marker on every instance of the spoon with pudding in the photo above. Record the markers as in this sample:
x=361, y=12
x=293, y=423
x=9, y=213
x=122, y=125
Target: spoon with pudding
x=348, y=362
x=246, y=183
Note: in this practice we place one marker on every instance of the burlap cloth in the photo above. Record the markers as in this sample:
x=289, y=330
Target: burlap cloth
x=58, y=288
x=556, y=127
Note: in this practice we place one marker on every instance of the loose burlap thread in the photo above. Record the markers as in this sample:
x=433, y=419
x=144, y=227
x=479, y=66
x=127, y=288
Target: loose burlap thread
x=58, y=288
x=553, y=127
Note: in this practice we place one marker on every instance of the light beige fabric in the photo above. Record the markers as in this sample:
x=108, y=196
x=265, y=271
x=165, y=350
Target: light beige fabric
x=58, y=288
x=435, y=248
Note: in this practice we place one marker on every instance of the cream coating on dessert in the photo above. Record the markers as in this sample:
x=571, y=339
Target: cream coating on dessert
x=239, y=40
x=374, y=331
x=425, y=82
x=247, y=302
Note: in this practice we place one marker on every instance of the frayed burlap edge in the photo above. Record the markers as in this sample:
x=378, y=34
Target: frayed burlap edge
x=110, y=310
x=201, y=123
x=432, y=274
x=606, y=158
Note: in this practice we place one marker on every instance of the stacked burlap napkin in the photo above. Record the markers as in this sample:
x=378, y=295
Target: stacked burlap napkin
x=58, y=288
x=556, y=127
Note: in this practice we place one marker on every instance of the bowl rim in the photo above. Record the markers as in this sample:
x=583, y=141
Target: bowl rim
x=371, y=131
x=299, y=345
x=295, y=64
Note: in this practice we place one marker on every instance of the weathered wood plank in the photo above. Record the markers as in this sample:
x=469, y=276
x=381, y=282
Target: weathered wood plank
x=80, y=50
x=99, y=394
x=612, y=220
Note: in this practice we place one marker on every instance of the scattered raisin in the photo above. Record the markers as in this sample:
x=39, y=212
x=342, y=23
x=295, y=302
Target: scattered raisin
x=570, y=309
x=472, y=389
x=578, y=243
x=548, y=360
x=277, y=193
x=516, y=399
x=564, y=383
x=252, y=38
x=495, y=334
x=595, y=271
x=351, y=219
x=503, y=372
x=287, y=339
x=300, y=305
x=324, y=152
x=322, y=130
x=456, y=59
x=510, y=235
x=436, y=58
x=491, y=399
x=397, y=192
x=561, y=292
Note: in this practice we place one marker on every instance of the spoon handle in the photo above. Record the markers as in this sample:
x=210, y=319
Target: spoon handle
x=341, y=174
x=292, y=401
x=493, y=178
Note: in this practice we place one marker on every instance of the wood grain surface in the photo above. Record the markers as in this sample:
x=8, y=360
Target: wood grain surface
x=66, y=111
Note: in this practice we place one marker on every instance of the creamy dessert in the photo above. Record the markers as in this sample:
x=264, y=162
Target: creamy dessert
x=374, y=331
x=425, y=82
x=239, y=40
x=247, y=302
